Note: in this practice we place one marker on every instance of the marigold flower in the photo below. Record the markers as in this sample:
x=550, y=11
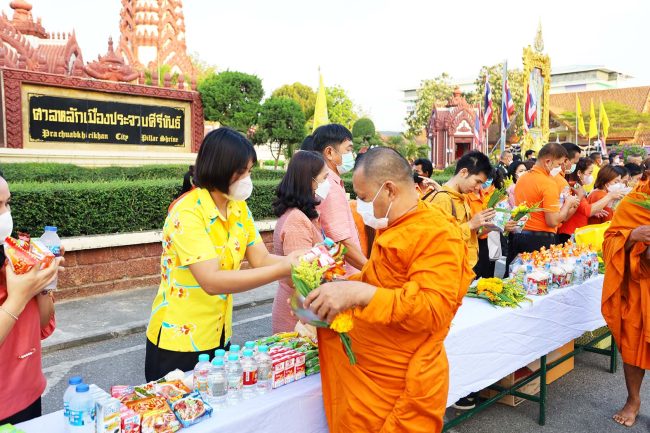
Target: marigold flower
x=343, y=322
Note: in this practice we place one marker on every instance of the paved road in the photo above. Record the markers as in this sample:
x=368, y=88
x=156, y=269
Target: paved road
x=581, y=402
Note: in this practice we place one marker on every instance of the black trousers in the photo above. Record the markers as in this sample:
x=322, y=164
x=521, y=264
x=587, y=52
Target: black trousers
x=562, y=238
x=158, y=362
x=527, y=242
x=484, y=268
x=30, y=412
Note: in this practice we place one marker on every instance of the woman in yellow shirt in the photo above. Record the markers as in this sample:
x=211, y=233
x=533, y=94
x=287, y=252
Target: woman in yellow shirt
x=208, y=232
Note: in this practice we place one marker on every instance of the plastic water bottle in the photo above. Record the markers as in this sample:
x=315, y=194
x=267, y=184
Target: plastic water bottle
x=219, y=353
x=53, y=242
x=264, y=369
x=81, y=418
x=249, y=367
x=250, y=345
x=69, y=392
x=594, y=265
x=218, y=383
x=235, y=377
x=234, y=348
x=578, y=272
x=201, y=372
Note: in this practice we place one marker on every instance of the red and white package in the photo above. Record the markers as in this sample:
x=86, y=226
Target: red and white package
x=278, y=371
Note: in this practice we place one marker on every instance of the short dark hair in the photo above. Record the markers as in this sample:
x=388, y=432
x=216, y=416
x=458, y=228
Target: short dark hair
x=554, y=150
x=223, y=153
x=427, y=166
x=295, y=189
x=528, y=153
x=475, y=162
x=594, y=155
x=582, y=165
x=307, y=143
x=605, y=175
x=633, y=169
x=330, y=135
x=571, y=149
x=621, y=170
x=512, y=169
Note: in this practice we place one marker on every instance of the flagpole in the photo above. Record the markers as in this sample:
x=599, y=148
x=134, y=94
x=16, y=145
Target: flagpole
x=598, y=134
x=577, y=119
x=503, y=104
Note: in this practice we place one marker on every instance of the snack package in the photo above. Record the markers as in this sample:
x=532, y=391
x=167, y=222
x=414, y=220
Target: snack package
x=124, y=393
x=191, y=409
x=108, y=415
x=145, y=405
x=20, y=260
x=159, y=421
x=42, y=253
x=130, y=420
x=24, y=239
x=171, y=391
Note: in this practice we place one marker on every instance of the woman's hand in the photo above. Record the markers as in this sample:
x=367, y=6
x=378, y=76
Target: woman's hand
x=331, y=299
x=22, y=288
x=614, y=196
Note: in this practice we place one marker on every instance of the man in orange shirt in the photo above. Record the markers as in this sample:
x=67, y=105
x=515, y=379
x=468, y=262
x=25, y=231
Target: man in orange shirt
x=573, y=156
x=626, y=292
x=539, y=188
x=404, y=299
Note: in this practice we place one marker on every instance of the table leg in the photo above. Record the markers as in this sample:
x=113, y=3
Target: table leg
x=613, y=360
x=542, y=391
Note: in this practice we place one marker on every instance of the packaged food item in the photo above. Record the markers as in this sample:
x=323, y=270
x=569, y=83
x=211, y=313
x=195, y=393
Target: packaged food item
x=20, y=260
x=171, y=391
x=289, y=369
x=24, y=239
x=42, y=253
x=191, y=409
x=278, y=370
x=159, y=421
x=313, y=370
x=148, y=404
x=537, y=283
x=299, y=359
x=108, y=415
x=124, y=393
x=130, y=420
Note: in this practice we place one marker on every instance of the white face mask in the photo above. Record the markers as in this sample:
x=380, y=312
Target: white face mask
x=323, y=189
x=6, y=226
x=555, y=171
x=588, y=180
x=571, y=170
x=347, y=164
x=367, y=211
x=241, y=189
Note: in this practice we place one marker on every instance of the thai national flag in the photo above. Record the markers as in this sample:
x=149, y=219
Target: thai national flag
x=531, y=108
x=507, y=106
x=477, y=125
x=487, y=105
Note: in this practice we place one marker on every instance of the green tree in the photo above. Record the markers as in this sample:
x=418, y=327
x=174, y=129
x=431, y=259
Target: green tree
x=623, y=119
x=340, y=108
x=364, y=134
x=408, y=148
x=302, y=94
x=162, y=71
x=281, y=124
x=203, y=69
x=516, y=84
x=232, y=99
x=436, y=91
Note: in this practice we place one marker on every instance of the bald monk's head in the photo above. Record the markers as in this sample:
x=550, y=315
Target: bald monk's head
x=384, y=178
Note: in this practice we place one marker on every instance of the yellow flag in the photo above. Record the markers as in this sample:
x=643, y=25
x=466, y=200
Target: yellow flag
x=581, y=121
x=320, y=113
x=603, y=119
x=593, y=127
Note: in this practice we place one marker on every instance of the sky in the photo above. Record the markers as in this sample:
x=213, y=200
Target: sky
x=376, y=48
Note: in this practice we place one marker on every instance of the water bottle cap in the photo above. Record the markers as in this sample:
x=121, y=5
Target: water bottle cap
x=220, y=352
x=235, y=348
x=263, y=348
x=328, y=243
x=75, y=380
x=218, y=362
x=248, y=352
x=249, y=344
x=233, y=357
x=83, y=387
x=204, y=357
x=50, y=228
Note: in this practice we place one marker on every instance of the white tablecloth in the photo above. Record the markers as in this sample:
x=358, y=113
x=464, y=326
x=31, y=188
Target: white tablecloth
x=484, y=345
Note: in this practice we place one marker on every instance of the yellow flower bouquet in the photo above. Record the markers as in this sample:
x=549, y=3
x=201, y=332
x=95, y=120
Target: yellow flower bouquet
x=322, y=265
x=498, y=292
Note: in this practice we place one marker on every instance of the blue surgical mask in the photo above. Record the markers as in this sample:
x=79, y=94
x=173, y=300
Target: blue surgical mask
x=488, y=183
x=571, y=170
x=347, y=163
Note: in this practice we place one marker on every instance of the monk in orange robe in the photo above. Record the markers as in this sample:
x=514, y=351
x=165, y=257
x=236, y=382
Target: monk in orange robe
x=626, y=293
x=404, y=300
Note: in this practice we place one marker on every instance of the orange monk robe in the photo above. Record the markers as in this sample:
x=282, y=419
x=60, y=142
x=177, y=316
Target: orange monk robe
x=401, y=379
x=361, y=228
x=626, y=288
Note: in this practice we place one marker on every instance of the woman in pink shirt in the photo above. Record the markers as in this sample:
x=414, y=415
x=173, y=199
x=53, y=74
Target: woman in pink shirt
x=26, y=317
x=300, y=191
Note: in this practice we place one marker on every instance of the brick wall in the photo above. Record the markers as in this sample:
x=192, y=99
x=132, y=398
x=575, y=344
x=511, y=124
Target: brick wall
x=103, y=270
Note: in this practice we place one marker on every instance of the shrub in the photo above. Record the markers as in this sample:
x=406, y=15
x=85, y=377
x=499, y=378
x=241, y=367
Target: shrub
x=271, y=163
x=629, y=150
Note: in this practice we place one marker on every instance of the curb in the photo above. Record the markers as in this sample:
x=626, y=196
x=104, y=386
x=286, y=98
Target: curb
x=124, y=330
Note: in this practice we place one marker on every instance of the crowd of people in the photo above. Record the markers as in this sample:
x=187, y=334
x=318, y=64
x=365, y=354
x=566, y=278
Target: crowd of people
x=413, y=247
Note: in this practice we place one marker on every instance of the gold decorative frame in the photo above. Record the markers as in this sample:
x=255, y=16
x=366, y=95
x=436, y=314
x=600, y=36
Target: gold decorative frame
x=539, y=136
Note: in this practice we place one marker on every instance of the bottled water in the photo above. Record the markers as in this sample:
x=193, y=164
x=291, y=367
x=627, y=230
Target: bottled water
x=81, y=418
x=201, y=372
x=234, y=349
x=220, y=353
x=249, y=367
x=69, y=392
x=594, y=265
x=578, y=272
x=52, y=241
x=235, y=376
x=218, y=384
x=250, y=345
x=264, y=370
